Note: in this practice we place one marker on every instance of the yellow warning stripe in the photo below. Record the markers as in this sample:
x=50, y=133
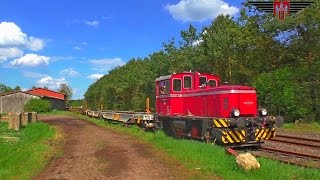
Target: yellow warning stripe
x=271, y=134
x=216, y=124
x=224, y=140
x=264, y=133
x=220, y=123
x=233, y=136
x=241, y=134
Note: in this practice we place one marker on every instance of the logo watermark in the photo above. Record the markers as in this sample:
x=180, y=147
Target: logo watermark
x=281, y=8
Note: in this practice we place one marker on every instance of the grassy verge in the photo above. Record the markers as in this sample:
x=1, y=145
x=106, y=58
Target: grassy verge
x=302, y=127
x=24, y=153
x=210, y=159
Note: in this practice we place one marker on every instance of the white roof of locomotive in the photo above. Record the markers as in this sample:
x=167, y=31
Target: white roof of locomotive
x=163, y=78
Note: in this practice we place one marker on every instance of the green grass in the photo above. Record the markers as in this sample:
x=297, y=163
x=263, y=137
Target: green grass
x=313, y=127
x=24, y=153
x=210, y=159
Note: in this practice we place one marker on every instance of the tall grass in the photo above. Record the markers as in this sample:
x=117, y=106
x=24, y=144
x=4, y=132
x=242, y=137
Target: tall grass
x=211, y=159
x=24, y=153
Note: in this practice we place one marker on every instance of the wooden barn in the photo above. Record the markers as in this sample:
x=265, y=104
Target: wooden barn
x=15, y=101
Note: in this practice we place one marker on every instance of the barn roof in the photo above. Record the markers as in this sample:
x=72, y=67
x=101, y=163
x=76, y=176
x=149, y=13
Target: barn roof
x=47, y=93
x=14, y=92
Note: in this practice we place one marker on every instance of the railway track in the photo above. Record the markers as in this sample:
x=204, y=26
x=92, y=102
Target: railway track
x=290, y=153
x=314, y=143
x=295, y=150
x=298, y=138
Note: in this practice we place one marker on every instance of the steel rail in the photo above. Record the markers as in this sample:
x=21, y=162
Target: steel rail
x=291, y=152
x=299, y=138
x=287, y=161
x=296, y=143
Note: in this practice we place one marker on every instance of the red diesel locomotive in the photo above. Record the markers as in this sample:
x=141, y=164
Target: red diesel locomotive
x=196, y=105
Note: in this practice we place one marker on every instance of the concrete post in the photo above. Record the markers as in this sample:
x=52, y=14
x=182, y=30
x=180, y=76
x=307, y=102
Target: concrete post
x=34, y=117
x=24, y=119
x=15, y=121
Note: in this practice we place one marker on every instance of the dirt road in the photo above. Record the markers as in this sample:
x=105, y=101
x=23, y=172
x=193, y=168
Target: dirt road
x=92, y=152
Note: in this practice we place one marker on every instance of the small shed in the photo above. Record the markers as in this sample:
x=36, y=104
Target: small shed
x=57, y=100
x=15, y=101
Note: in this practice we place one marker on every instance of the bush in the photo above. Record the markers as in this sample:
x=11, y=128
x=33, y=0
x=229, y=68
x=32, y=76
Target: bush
x=38, y=105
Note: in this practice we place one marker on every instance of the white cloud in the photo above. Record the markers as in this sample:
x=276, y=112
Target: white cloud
x=106, y=64
x=69, y=72
x=29, y=74
x=200, y=10
x=80, y=46
x=61, y=58
x=92, y=23
x=50, y=82
x=95, y=76
x=11, y=35
x=30, y=60
x=35, y=44
x=10, y=52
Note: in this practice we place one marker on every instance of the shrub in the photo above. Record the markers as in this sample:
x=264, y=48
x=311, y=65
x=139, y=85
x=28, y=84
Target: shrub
x=38, y=105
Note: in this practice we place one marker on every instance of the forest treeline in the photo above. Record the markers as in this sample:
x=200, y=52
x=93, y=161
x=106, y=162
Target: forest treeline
x=281, y=59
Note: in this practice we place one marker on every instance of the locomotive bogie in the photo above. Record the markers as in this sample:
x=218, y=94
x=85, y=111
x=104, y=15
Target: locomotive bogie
x=219, y=130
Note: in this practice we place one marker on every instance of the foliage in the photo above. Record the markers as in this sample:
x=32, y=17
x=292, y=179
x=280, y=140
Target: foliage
x=5, y=89
x=37, y=105
x=76, y=103
x=24, y=153
x=278, y=90
x=280, y=58
x=17, y=88
x=65, y=89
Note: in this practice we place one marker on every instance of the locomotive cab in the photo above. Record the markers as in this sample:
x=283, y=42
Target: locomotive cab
x=194, y=104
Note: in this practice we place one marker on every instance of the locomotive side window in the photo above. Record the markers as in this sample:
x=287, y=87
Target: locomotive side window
x=164, y=87
x=212, y=83
x=187, y=82
x=202, y=80
x=177, y=84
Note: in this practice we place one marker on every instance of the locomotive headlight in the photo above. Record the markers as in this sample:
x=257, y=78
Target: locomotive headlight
x=262, y=112
x=235, y=112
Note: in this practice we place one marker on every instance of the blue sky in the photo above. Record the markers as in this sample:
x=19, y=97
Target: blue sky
x=49, y=42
